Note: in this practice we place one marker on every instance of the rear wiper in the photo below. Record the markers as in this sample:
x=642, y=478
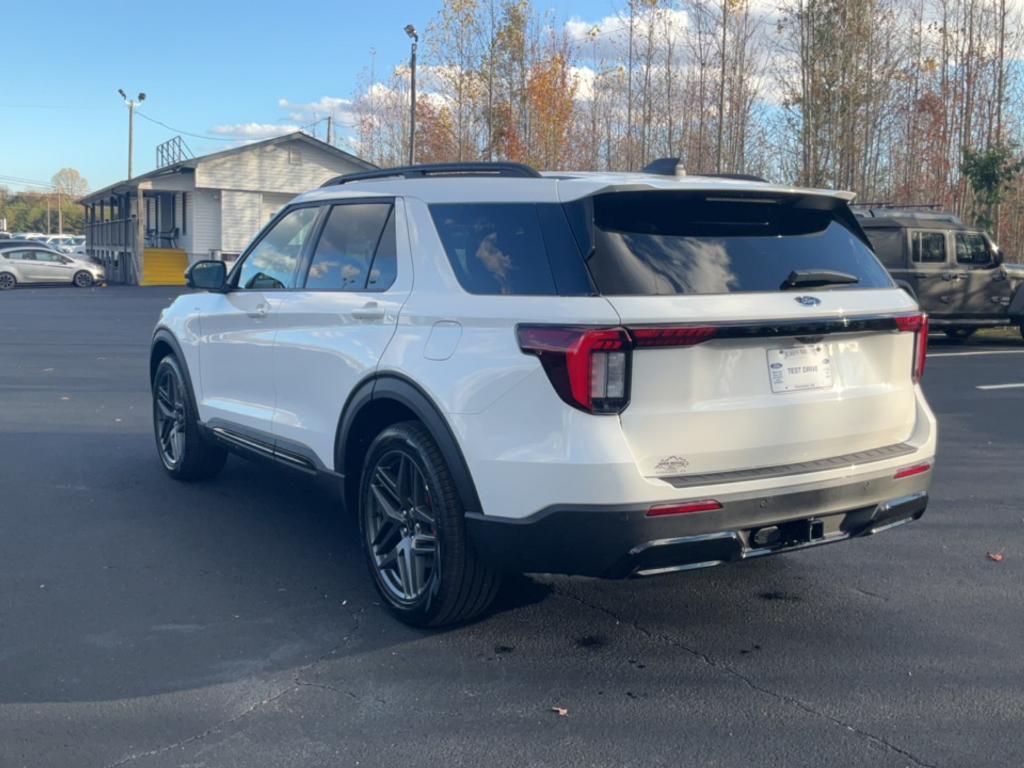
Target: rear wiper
x=816, y=278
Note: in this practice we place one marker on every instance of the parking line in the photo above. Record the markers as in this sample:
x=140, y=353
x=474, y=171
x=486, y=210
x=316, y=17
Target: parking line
x=980, y=352
x=1001, y=386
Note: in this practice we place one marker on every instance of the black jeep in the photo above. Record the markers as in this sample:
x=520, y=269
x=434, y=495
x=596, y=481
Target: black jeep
x=955, y=272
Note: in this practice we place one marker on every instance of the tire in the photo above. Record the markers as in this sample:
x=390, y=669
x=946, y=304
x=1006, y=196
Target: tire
x=960, y=334
x=82, y=279
x=184, y=453
x=413, y=532
x=7, y=281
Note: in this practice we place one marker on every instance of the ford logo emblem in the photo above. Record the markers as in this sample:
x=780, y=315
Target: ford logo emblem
x=807, y=301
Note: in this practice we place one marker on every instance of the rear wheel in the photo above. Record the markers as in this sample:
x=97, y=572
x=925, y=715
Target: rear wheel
x=83, y=279
x=7, y=281
x=183, y=451
x=960, y=334
x=414, y=535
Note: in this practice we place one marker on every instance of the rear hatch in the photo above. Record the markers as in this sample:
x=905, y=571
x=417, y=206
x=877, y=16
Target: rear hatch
x=765, y=333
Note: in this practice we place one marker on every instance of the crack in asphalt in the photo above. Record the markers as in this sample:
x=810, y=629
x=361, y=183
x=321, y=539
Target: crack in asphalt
x=748, y=681
x=295, y=685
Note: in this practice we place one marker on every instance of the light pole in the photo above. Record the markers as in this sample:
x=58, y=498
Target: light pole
x=410, y=30
x=132, y=104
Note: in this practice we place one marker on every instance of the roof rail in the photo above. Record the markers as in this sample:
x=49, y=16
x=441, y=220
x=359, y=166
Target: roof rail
x=515, y=170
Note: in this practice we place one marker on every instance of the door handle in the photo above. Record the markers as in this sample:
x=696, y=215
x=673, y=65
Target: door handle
x=259, y=311
x=369, y=311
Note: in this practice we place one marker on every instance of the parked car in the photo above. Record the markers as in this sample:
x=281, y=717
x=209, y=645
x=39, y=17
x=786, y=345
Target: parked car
x=956, y=273
x=610, y=375
x=16, y=242
x=64, y=243
x=35, y=263
x=6, y=236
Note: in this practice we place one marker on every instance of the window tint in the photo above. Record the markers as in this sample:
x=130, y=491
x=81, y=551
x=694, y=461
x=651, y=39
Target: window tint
x=344, y=257
x=663, y=243
x=972, y=248
x=928, y=247
x=495, y=248
x=272, y=263
x=888, y=245
x=53, y=258
x=21, y=255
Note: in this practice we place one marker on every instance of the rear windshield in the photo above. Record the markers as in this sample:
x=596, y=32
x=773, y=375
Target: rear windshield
x=658, y=243
x=650, y=243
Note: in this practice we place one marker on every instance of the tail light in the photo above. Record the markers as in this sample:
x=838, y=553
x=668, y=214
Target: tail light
x=918, y=325
x=588, y=367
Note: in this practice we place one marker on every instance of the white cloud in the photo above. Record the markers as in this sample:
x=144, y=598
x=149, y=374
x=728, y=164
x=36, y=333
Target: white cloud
x=609, y=37
x=306, y=112
x=253, y=131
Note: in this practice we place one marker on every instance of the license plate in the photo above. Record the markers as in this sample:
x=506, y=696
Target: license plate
x=795, y=369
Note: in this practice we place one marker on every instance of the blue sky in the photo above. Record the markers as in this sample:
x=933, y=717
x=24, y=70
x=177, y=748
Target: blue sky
x=203, y=65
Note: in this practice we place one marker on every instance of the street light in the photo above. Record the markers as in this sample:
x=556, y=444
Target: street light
x=132, y=104
x=410, y=30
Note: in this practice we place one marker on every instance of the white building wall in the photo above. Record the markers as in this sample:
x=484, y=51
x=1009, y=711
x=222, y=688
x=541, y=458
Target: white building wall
x=204, y=222
x=240, y=218
x=291, y=167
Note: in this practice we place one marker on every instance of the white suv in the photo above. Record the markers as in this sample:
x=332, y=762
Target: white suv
x=610, y=375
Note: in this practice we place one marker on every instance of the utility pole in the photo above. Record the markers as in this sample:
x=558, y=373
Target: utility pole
x=410, y=30
x=330, y=130
x=132, y=104
x=60, y=214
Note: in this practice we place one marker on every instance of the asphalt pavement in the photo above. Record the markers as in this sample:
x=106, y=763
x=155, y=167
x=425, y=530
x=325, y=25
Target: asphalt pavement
x=145, y=622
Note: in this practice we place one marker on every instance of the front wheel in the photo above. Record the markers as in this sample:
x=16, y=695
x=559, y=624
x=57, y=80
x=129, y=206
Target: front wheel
x=83, y=279
x=184, y=452
x=7, y=281
x=414, y=534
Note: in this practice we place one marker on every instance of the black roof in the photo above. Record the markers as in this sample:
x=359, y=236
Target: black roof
x=895, y=218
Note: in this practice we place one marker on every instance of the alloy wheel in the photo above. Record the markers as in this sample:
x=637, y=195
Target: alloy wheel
x=6, y=281
x=400, y=528
x=83, y=280
x=170, y=418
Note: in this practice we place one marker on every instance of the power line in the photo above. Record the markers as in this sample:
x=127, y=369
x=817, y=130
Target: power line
x=26, y=182
x=183, y=133
x=207, y=136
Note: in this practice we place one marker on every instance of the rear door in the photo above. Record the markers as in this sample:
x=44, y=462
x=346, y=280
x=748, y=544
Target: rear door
x=734, y=367
x=935, y=279
x=334, y=328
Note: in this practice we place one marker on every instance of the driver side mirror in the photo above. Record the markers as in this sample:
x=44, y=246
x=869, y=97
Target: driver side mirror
x=997, y=256
x=207, y=275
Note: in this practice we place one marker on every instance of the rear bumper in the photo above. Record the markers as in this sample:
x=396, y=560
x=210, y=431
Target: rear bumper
x=623, y=541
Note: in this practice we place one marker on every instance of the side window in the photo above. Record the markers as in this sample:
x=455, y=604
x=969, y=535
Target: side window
x=51, y=258
x=495, y=248
x=928, y=247
x=972, y=248
x=888, y=245
x=271, y=265
x=356, y=250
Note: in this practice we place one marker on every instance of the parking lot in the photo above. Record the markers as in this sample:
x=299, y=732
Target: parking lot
x=232, y=623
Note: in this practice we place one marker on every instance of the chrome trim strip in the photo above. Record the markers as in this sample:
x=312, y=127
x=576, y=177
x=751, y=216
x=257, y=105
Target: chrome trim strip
x=849, y=460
